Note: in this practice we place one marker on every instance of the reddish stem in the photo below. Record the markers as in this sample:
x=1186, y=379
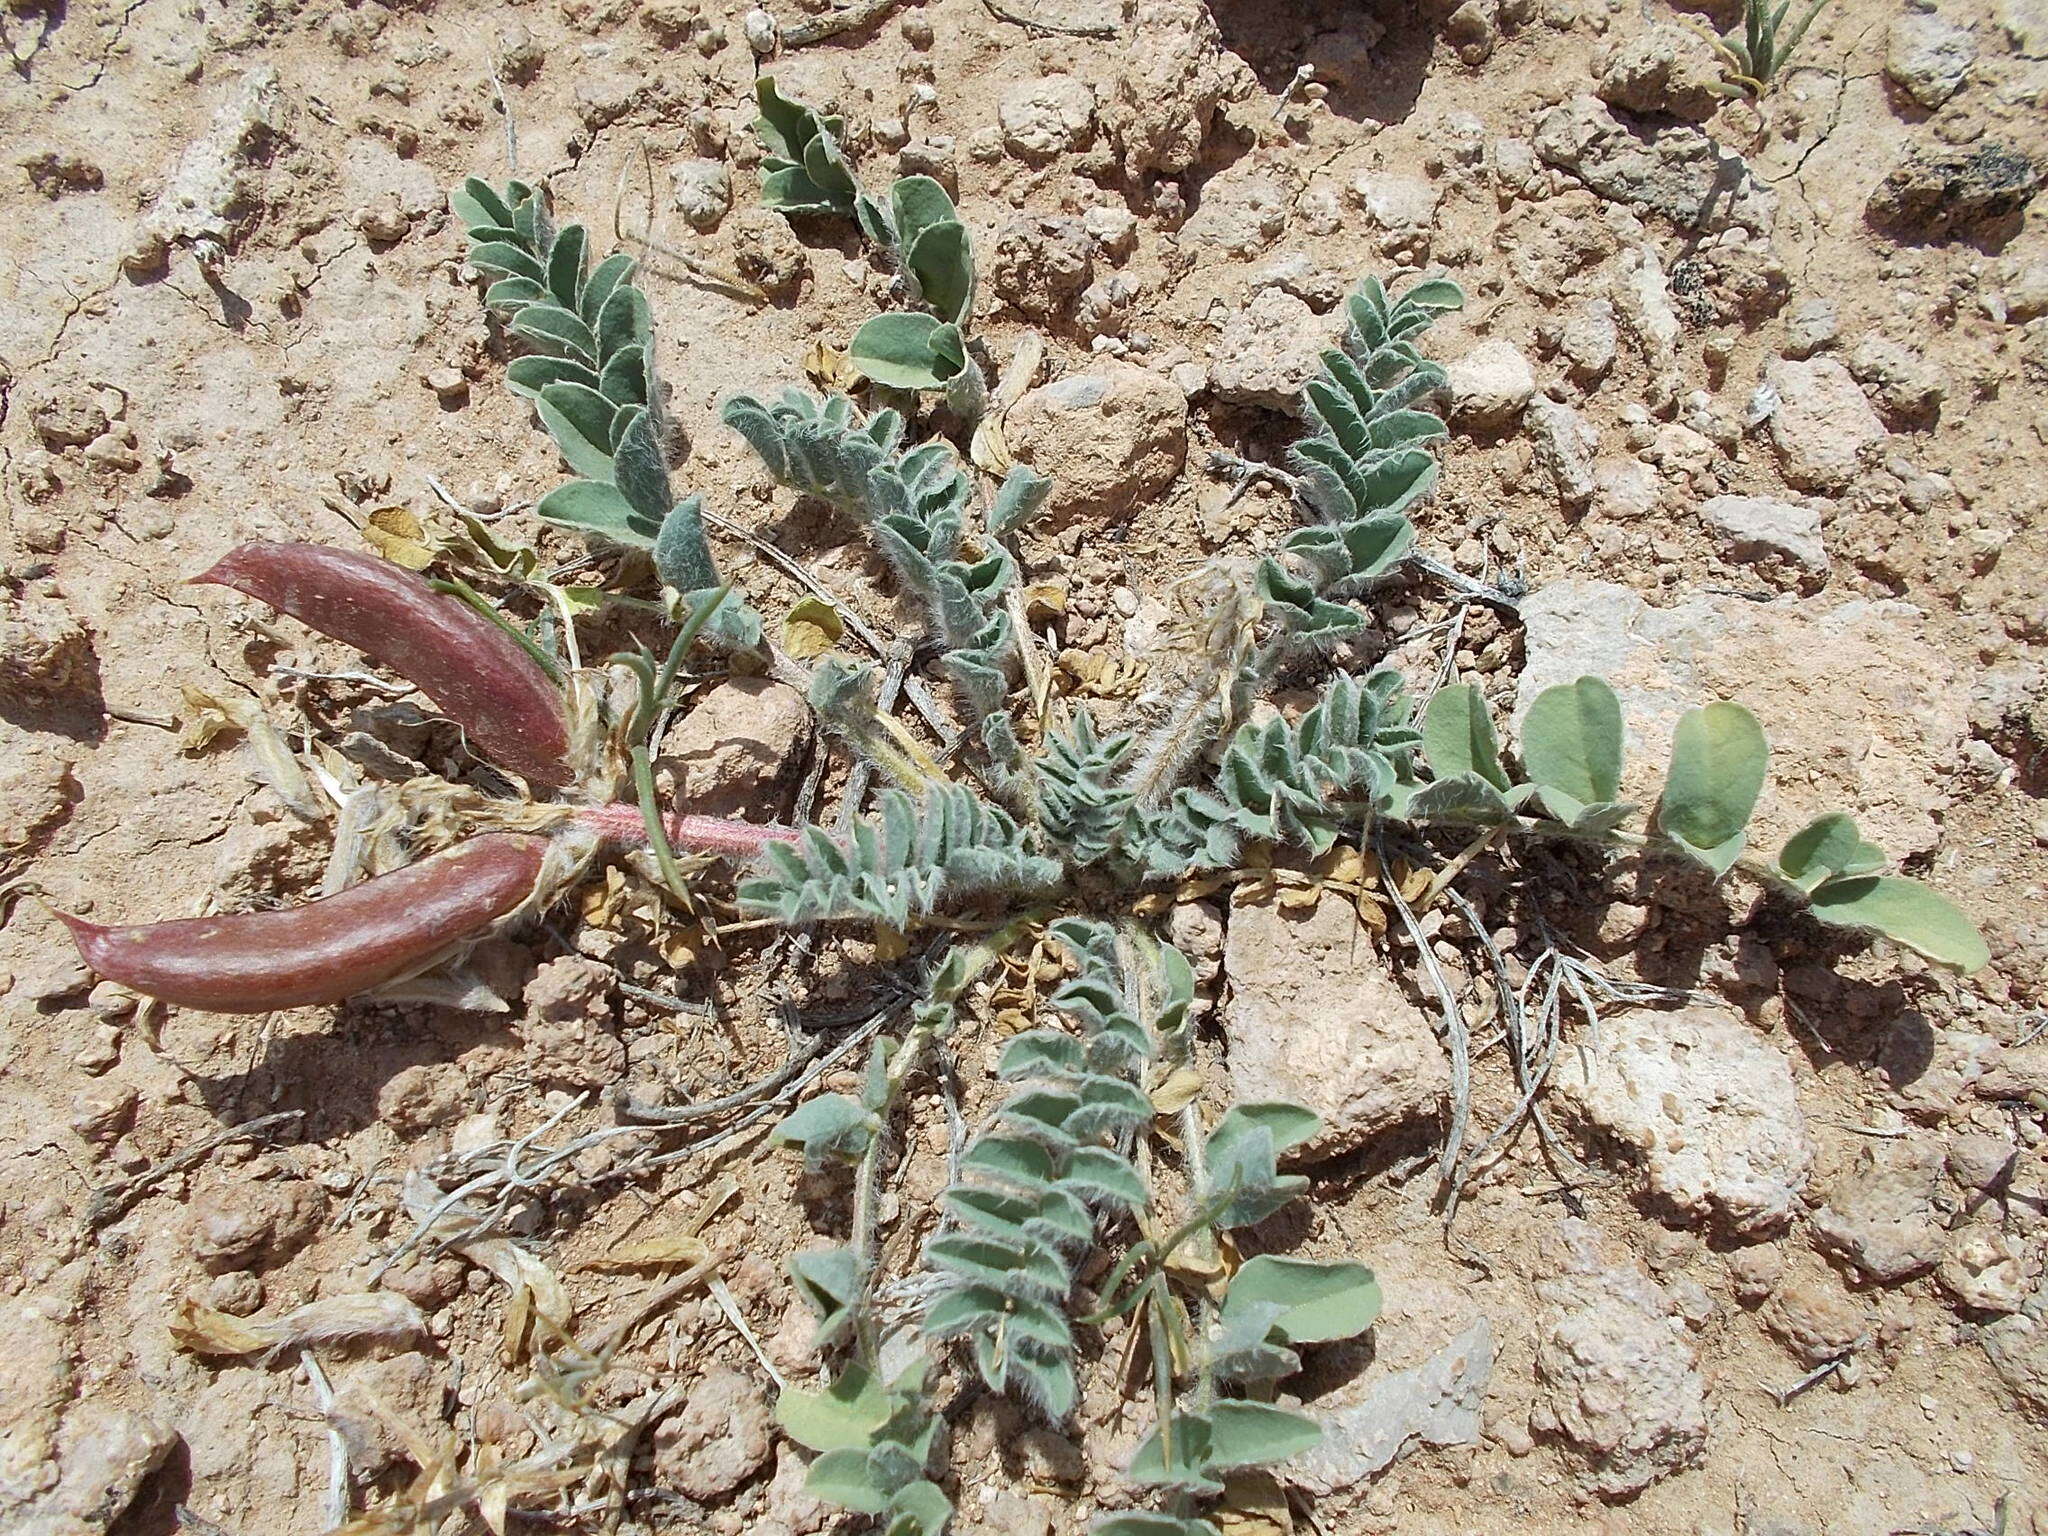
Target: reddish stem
x=624, y=824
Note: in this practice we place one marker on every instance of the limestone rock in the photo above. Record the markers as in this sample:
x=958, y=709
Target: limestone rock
x=1817, y=1320
x=1269, y=349
x=1401, y=208
x=1172, y=80
x=1589, y=340
x=1758, y=527
x=1240, y=215
x=703, y=193
x=1042, y=265
x=1621, y=1379
x=45, y=652
x=1986, y=1269
x=717, y=1440
x=1941, y=191
x=1565, y=443
x=422, y=1096
x=567, y=1027
x=384, y=1408
x=1677, y=171
x=1315, y=1017
x=1810, y=327
x=1907, y=387
x=1822, y=425
x=1490, y=384
x=1928, y=57
x=1110, y=438
x=1862, y=710
x=1879, y=1215
x=767, y=252
x=106, y=1451
x=1047, y=117
x=1663, y=69
x=2018, y=1347
x=1436, y=1403
x=728, y=754
x=1707, y=1104
x=236, y=1226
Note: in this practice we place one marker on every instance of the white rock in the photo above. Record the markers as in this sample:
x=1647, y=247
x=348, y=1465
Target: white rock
x=1707, y=1104
x=1862, y=710
x=1565, y=443
x=1109, y=437
x=1403, y=208
x=1269, y=349
x=2025, y=25
x=703, y=193
x=1490, y=384
x=1589, y=339
x=1240, y=215
x=1985, y=1269
x=1663, y=69
x=1747, y=527
x=1810, y=327
x=1315, y=1017
x=1823, y=425
x=1879, y=1214
x=1436, y=1403
x=1928, y=58
x=1046, y=117
x=728, y=752
x=1621, y=1380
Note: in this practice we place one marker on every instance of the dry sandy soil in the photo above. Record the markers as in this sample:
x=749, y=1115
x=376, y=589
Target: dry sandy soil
x=1748, y=398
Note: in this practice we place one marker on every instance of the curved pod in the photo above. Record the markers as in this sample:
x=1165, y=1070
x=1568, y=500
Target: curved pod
x=474, y=672
x=384, y=929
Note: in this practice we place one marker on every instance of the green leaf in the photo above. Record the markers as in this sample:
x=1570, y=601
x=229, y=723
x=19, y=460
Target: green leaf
x=579, y=419
x=942, y=261
x=557, y=330
x=919, y=203
x=1906, y=912
x=785, y=126
x=918, y=1509
x=827, y=1278
x=1571, y=742
x=1465, y=799
x=830, y=1126
x=614, y=270
x=1438, y=293
x=478, y=206
x=596, y=507
x=503, y=256
x=843, y=1417
x=1288, y=1124
x=682, y=558
x=528, y=376
x=624, y=321
x=1257, y=1434
x=565, y=267
x=1718, y=760
x=1827, y=847
x=904, y=351
x=639, y=470
x=1318, y=1302
x=1457, y=736
x=509, y=293
x=842, y=1477
x=1188, y=1467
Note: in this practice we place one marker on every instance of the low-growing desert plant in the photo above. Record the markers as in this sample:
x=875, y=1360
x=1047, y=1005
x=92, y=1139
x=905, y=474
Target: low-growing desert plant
x=1759, y=49
x=1040, y=833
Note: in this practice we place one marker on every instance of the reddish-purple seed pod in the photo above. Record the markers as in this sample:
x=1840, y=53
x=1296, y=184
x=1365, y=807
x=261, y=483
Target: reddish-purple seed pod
x=474, y=672
x=327, y=950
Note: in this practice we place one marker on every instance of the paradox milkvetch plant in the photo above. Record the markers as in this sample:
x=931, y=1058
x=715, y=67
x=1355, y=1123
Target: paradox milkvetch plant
x=1041, y=827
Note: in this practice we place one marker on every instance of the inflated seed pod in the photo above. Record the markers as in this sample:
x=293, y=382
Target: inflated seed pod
x=474, y=672
x=386, y=928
